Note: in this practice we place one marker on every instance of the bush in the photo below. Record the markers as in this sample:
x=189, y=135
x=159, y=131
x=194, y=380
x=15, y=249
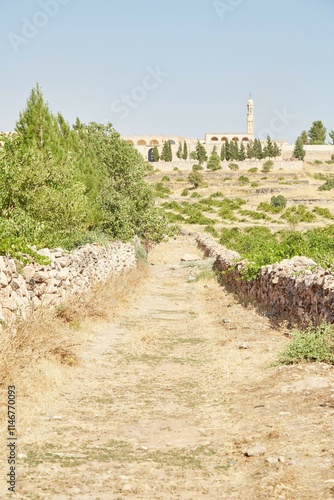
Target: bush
x=161, y=191
x=165, y=178
x=195, y=178
x=267, y=166
x=243, y=180
x=255, y=184
x=175, y=169
x=185, y=192
x=233, y=166
x=253, y=170
x=196, y=168
x=329, y=184
x=278, y=201
x=323, y=212
x=315, y=344
x=196, y=195
x=318, y=162
x=211, y=230
x=297, y=214
x=267, y=207
x=180, y=179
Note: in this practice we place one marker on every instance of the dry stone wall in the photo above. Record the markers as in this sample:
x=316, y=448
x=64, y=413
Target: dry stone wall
x=295, y=289
x=24, y=289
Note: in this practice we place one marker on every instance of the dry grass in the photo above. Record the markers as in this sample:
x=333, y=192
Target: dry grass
x=54, y=334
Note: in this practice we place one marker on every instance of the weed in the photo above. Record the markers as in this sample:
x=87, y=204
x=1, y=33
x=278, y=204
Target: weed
x=311, y=344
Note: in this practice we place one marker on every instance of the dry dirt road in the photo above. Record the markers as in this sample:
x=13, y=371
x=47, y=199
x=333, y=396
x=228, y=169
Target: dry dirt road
x=170, y=395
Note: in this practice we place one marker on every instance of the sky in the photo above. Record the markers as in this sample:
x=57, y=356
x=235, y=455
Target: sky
x=182, y=67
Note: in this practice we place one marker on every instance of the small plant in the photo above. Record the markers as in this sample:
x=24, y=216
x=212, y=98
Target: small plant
x=161, y=191
x=185, y=192
x=323, y=212
x=211, y=230
x=267, y=166
x=314, y=344
x=267, y=207
x=255, y=184
x=175, y=169
x=243, y=180
x=329, y=184
x=196, y=168
x=165, y=178
x=233, y=166
x=278, y=201
x=253, y=170
x=195, y=195
x=318, y=162
x=195, y=178
x=180, y=179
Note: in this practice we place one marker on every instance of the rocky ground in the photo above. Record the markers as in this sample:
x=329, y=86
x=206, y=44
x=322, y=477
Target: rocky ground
x=178, y=397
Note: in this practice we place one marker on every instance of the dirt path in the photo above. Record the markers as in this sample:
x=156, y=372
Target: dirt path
x=166, y=403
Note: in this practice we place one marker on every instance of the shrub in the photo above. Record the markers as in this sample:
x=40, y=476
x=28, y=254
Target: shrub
x=195, y=178
x=195, y=195
x=254, y=215
x=267, y=166
x=185, y=192
x=161, y=191
x=297, y=214
x=323, y=212
x=233, y=166
x=180, y=179
x=175, y=169
x=211, y=230
x=165, y=178
x=278, y=201
x=253, y=170
x=196, y=168
x=329, y=184
x=243, y=180
x=314, y=344
x=255, y=184
x=317, y=162
x=267, y=207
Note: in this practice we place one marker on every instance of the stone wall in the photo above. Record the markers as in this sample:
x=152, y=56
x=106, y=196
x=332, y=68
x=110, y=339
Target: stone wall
x=25, y=288
x=295, y=289
x=244, y=166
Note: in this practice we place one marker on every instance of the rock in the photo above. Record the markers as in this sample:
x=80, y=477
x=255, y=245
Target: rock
x=245, y=345
x=41, y=276
x=21, y=455
x=255, y=451
x=190, y=258
x=272, y=460
x=309, y=384
x=3, y=279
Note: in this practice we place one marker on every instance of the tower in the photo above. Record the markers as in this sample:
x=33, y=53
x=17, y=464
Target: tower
x=250, y=116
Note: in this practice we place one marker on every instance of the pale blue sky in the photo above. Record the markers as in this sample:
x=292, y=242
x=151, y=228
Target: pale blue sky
x=88, y=55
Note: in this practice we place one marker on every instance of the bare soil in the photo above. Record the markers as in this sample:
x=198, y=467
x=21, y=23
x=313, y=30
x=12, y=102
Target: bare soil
x=170, y=395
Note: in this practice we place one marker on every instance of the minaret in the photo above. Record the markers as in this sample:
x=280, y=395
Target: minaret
x=250, y=116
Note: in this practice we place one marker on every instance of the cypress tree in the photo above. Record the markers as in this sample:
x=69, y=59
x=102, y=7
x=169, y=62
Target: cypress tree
x=185, y=151
x=242, y=152
x=222, y=152
x=179, y=151
x=299, y=151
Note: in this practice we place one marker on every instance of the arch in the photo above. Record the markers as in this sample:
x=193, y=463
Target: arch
x=141, y=142
x=150, y=155
x=214, y=138
x=224, y=139
x=245, y=139
x=171, y=141
x=235, y=139
x=130, y=142
x=154, y=142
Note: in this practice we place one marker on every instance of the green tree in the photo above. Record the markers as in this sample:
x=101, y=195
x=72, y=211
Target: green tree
x=156, y=156
x=36, y=125
x=250, y=150
x=269, y=148
x=179, y=151
x=223, y=152
x=257, y=149
x=299, y=151
x=201, y=154
x=317, y=133
x=228, y=153
x=166, y=154
x=235, y=150
x=276, y=150
x=304, y=137
x=331, y=135
x=242, y=152
x=185, y=151
x=195, y=178
x=214, y=160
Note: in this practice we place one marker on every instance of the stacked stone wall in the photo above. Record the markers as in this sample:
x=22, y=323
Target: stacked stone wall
x=297, y=289
x=23, y=289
